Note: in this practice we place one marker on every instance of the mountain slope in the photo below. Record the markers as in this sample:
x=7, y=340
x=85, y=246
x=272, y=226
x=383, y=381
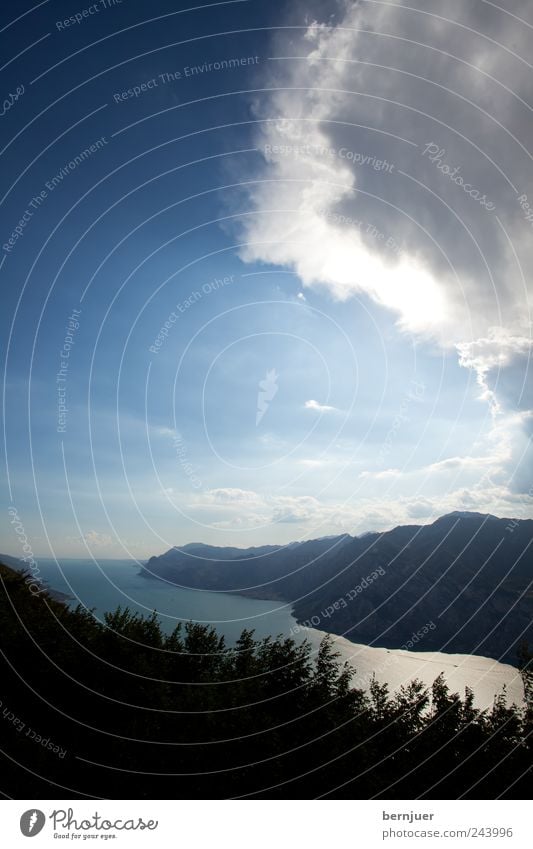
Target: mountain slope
x=465, y=581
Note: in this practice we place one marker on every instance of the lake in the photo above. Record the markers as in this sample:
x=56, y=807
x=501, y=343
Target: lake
x=106, y=584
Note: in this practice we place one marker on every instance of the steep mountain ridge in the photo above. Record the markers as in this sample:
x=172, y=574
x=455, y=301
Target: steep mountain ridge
x=467, y=575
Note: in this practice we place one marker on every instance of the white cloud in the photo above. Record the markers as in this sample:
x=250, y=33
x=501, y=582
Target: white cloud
x=503, y=363
x=239, y=522
x=339, y=118
x=458, y=463
x=291, y=509
x=384, y=474
x=352, y=197
x=96, y=539
x=321, y=408
x=448, y=470
x=230, y=495
x=272, y=441
x=500, y=359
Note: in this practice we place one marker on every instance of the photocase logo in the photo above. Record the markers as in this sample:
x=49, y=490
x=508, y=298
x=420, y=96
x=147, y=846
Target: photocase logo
x=267, y=390
x=32, y=822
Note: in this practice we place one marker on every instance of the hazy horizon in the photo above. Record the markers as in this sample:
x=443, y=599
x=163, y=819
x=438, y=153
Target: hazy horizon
x=133, y=557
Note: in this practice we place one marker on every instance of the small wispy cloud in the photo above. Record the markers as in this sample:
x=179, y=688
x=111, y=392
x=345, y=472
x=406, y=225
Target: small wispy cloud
x=452, y=465
x=97, y=539
x=231, y=495
x=385, y=474
x=321, y=408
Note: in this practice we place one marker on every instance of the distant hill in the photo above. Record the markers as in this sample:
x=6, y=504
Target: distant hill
x=20, y=566
x=465, y=579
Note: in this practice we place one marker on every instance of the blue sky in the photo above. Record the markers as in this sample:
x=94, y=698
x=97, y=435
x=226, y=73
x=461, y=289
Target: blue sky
x=269, y=310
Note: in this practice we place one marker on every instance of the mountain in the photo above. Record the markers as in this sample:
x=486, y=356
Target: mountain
x=20, y=566
x=462, y=584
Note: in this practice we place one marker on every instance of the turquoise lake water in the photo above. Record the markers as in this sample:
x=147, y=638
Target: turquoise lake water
x=105, y=584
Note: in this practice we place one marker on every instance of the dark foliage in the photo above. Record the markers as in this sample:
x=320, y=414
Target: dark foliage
x=139, y=714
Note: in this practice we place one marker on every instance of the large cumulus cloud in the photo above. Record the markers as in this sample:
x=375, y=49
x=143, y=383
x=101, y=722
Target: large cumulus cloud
x=395, y=163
